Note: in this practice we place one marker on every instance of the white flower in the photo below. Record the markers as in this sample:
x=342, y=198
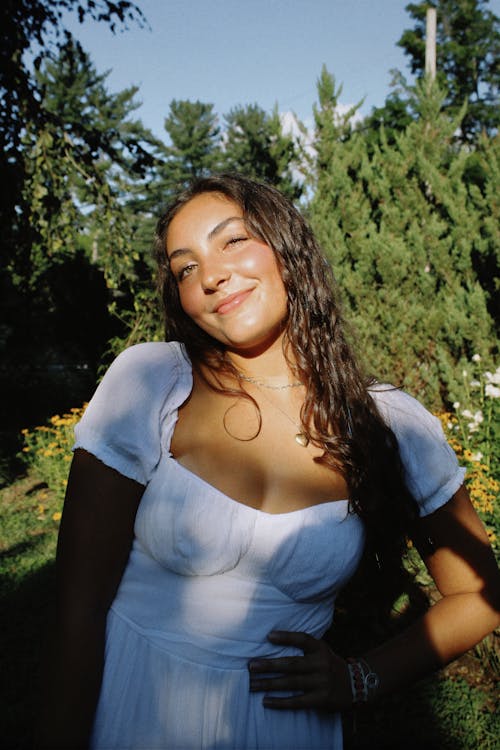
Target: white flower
x=476, y=358
x=464, y=373
x=492, y=391
x=473, y=427
x=456, y=405
x=478, y=417
x=476, y=456
x=467, y=414
x=475, y=384
x=493, y=377
x=449, y=425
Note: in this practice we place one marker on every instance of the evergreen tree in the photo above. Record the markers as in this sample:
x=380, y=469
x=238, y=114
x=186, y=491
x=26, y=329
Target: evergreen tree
x=256, y=146
x=483, y=184
x=194, y=150
x=468, y=58
x=33, y=30
x=402, y=231
x=79, y=167
x=40, y=204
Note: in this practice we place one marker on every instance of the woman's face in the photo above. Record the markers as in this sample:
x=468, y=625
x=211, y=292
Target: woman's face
x=229, y=282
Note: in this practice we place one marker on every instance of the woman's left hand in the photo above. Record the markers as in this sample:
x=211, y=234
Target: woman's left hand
x=319, y=676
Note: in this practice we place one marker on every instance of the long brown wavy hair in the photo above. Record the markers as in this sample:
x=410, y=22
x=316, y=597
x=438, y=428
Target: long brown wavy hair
x=338, y=414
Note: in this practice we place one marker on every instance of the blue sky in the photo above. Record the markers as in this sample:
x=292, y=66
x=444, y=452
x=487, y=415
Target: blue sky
x=230, y=52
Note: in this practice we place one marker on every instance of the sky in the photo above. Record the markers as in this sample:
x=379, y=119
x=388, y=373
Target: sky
x=265, y=52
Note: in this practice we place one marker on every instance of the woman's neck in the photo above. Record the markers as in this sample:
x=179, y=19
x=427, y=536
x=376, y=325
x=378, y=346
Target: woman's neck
x=270, y=365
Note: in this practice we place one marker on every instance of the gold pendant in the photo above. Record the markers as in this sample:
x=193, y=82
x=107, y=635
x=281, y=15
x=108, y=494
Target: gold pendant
x=302, y=439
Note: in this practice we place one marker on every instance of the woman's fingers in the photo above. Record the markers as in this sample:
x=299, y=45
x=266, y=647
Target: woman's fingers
x=294, y=702
x=289, y=664
x=290, y=682
x=319, y=677
x=307, y=643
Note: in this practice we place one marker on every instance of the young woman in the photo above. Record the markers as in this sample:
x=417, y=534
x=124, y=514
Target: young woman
x=224, y=486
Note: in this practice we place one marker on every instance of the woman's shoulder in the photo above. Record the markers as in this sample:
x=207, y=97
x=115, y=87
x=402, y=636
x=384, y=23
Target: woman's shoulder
x=152, y=354
x=431, y=467
x=122, y=423
x=150, y=364
x=396, y=405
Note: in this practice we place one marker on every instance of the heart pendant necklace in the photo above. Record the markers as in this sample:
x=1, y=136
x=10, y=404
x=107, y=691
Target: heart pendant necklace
x=300, y=437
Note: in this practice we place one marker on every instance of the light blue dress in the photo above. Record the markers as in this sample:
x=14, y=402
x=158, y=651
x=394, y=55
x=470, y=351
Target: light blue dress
x=208, y=577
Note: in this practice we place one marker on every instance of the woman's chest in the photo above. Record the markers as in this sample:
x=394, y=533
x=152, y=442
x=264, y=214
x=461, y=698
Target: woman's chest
x=251, y=453
x=190, y=528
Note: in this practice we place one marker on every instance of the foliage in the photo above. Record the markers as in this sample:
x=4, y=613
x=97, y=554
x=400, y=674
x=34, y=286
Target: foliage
x=194, y=133
x=402, y=231
x=473, y=431
x=468, y=54
x=483, y=183
x=32, y=30
x=76, y=169
x=256, y=146
x=66, y=147
x=436, y=714
x=47, y=449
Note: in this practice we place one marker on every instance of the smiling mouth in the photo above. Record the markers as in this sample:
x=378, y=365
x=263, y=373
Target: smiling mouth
x=233, y=301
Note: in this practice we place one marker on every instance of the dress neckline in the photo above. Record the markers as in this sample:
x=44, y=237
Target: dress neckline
x=341, y=504
x=186, y=367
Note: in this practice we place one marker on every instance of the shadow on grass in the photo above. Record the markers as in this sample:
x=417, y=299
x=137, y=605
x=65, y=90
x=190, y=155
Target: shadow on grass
x=17, y=549
x=24, y=615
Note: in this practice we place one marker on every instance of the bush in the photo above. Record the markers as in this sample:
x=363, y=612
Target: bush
x=47, y=450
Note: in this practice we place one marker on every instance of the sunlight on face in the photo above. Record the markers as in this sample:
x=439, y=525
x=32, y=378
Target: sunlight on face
x=229, y=282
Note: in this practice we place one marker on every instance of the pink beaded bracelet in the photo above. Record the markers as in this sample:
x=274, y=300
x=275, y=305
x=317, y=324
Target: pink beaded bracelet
x=364, y=681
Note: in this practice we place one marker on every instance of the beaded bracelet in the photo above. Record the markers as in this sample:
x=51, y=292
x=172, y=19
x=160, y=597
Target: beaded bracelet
x=364, y=681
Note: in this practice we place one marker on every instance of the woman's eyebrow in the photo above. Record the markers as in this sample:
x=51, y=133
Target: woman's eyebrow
x=219, y=227
x=177, y=253
x=213, y=233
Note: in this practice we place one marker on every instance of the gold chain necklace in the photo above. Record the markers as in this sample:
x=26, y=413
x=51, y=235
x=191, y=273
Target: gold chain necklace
x=300, y=437
x=260, y=384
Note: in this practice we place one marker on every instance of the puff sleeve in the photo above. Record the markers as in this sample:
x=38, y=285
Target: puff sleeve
x=122, y=423
x=431, y=467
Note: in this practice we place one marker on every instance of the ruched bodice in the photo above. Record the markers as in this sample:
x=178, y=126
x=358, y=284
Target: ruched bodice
x=233, y=572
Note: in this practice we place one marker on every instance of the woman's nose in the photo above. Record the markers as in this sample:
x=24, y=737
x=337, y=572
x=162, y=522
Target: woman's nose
x=215, y=274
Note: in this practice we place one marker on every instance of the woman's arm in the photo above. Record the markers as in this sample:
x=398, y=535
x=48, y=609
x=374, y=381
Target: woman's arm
x=94, y=543
x=466, y=575
x=463, y=567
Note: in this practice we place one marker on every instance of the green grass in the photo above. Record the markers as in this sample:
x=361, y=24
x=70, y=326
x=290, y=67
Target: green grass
x=28, y=537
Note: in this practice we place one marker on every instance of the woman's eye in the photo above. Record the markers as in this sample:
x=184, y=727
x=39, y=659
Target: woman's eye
x=186, y=271
x=236, y=240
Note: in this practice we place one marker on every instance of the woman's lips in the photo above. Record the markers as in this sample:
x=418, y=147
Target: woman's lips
x=232, y=301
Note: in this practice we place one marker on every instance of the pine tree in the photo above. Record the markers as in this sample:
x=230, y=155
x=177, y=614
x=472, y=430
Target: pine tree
x=256, y=145
x=194, y=151
x=402, y=231
x=79, y=167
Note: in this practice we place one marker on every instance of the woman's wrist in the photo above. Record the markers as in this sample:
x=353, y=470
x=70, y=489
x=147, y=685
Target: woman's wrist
x=364, y=681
